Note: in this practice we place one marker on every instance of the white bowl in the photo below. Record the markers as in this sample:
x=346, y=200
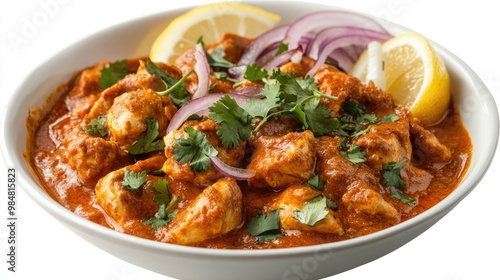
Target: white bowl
x=475, y=102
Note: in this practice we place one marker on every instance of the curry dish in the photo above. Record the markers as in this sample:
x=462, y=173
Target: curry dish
x=358, y=163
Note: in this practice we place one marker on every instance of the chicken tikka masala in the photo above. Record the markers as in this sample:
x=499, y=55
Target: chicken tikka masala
x=279, y=159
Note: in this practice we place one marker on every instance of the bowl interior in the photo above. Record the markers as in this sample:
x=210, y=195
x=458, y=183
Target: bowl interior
x=475, y=102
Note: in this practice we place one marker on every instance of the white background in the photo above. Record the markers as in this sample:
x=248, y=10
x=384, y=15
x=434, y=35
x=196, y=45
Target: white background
x=463, y=245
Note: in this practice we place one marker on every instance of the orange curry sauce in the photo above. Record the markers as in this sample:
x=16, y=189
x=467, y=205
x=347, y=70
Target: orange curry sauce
x=71, y=164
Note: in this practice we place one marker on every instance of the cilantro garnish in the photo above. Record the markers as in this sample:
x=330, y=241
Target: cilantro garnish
x=254, y=73
x=398, y=194
x=132, y=181
x=175, y=89
x=195, y=150
x=394, y=181
x=282, y=48
x=312, y=211
x=257, y=107
x=235, y=124
x=146, y=142
x=354, y=154
x=112, y=73
x=163, y=197
x=163, y=216
x=96, y=127
x=392, y=174
x=315, y=182
x=217, y=59
x=265, y=227
x=286, y=94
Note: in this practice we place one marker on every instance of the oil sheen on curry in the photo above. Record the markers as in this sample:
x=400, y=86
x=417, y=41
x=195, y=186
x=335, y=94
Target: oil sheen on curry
x=270, y=161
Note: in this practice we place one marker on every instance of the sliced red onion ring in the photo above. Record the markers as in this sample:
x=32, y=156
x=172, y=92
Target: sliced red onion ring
x=260, y=43
x=200, y=106
x=333, y=32
x=321, y=19
x=270, y=52
x=357, y=37
x=230, y=171
x=282, y=58
x=202, y=70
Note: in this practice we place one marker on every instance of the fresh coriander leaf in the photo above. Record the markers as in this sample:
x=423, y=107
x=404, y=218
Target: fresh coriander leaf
x=235, y=124
x=194, y=117
x=354, y=154
x=402, y=197
x=133, y=181
x=112, y=73
x=353, y=108
x=331, y=204
x=360, y=132
x=255, y=74
x=312, y=211
x=96, y=127
x=390, y=118
x=307, y=84
x=367, y=118
x=261, y=107
x=195, y=150
x=265, y=227
x=217, y=59
x=163, y=197
x=282, y=48
x=320, y=121
x=316, y=183
x=158, y=172
x=392, y=174
x=157, y=222
x=175, y=89
x=146, y=142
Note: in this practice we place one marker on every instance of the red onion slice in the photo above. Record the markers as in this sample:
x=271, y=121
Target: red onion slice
x=321, y=19
x=230, y=171
x=282, y=58
x=200, y=106
x=260, y=43
x=357, y=37
x=202, y=70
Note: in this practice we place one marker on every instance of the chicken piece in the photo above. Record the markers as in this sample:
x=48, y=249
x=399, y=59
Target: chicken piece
x=92, y=157
x=292, y=199
x=126, y=119
x=216, y=211
x=387, y=142
x=233, y=157
x=427, y=145
x=361, y=197
x=141, y=80
x=336, y=171
x=335, y=83
x=279, y=161
x=123, y=205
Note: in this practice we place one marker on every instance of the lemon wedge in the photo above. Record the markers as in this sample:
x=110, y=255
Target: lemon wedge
x=414, y=75
x=210, y=21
